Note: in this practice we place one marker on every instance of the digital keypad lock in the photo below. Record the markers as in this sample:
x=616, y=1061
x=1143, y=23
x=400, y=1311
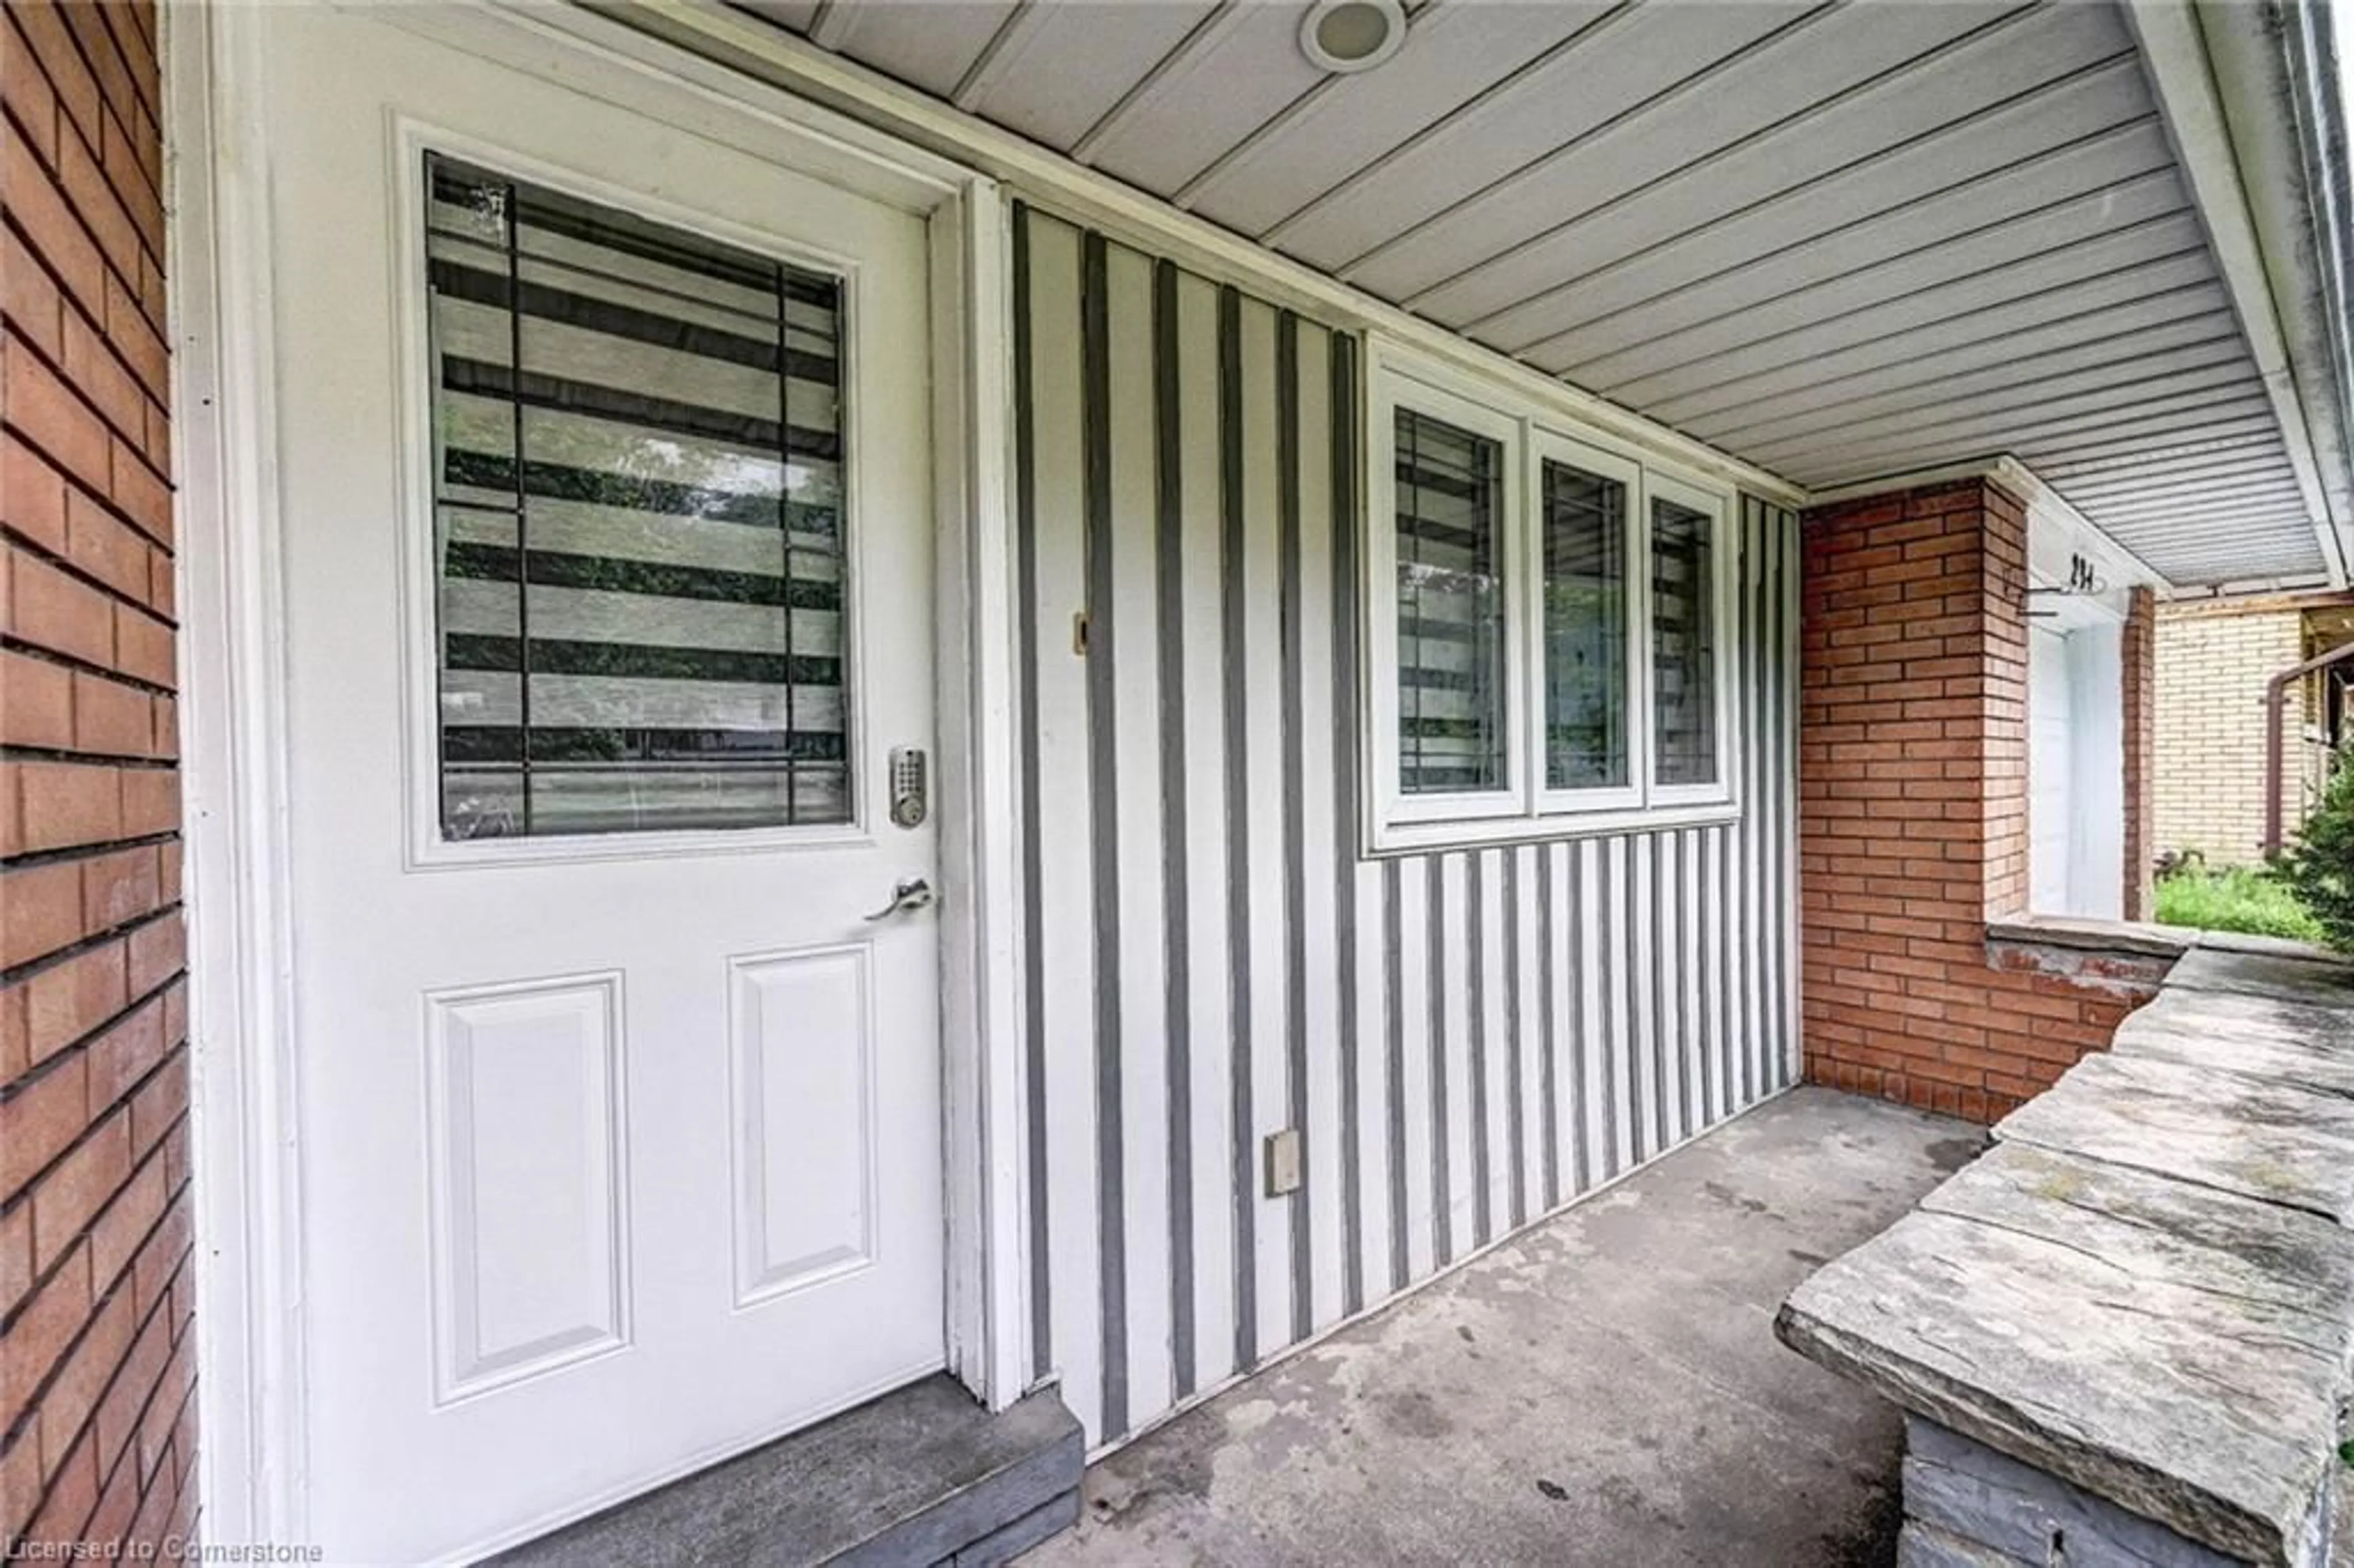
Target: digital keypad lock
x=910, y=790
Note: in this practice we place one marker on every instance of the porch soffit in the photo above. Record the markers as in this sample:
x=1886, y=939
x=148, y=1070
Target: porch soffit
x=1836, y=240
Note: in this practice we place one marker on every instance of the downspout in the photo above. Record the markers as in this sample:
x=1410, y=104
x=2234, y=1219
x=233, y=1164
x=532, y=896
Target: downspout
x=2275, y=747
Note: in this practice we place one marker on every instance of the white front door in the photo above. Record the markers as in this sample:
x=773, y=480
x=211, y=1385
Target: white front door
x=2050, y=723
x=2075, y=766
x=604, y=458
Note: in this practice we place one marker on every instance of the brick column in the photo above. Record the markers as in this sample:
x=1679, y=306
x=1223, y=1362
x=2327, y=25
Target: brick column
x=2139, y=693
x=1912, y=807
x=97, y=1360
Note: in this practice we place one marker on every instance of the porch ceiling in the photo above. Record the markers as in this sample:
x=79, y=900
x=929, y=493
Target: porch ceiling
x=1840, y=240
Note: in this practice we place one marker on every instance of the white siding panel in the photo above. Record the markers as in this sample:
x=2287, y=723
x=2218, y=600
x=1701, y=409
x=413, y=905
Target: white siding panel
x=1455, y=959
x=1492, y=1059
x=1317, y=941
x=1493, y=1030
x=1417, y=887
x=1133, y=648
x=1618, y=918
x=1591, y=859
x=1561, y=1004
x=1206, y=838
x=1065, y=931
x=1531, y=1107
x=1262, y=661
x=1379, y=1147
x=1652, y=1090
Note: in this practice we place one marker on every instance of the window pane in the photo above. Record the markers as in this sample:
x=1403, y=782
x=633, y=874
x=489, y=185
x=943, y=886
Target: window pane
x=1683, y=643
x=1585, y=524
x=1450, y=551
x=638, y=475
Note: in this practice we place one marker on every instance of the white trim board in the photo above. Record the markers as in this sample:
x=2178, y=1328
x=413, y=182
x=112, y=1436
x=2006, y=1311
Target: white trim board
x=247, y=1153
x=1095, y=200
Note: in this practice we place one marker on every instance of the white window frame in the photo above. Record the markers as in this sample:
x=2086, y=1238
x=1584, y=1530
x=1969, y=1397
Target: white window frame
x=1546, y=445
x=1723, y=608
x=1397, y=805
x=1527, y=809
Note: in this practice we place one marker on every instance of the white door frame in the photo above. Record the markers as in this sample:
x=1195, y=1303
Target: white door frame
x=248, y=1158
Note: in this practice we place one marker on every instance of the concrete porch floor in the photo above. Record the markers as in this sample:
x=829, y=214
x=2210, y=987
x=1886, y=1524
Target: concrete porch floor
x=1606, y=1388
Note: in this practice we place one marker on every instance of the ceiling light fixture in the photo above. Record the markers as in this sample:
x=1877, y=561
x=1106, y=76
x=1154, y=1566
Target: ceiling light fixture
x=1349, y=36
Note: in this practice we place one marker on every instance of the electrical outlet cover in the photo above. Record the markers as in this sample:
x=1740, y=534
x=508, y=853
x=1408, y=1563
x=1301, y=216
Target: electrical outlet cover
x=1283, y=1162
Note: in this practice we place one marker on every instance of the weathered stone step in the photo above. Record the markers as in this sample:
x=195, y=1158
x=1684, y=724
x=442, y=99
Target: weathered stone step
x=922, y=1478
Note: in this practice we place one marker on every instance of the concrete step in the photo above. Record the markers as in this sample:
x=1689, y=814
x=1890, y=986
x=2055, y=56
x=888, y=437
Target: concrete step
x=922, y=1478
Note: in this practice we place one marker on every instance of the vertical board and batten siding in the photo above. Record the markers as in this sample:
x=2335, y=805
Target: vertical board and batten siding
x=1466, y=1039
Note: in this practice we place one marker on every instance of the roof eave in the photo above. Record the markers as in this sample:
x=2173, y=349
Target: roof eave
x=2248, y=94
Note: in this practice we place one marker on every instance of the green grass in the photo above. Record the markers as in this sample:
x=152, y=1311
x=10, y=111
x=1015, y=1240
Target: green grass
x=2238, y=899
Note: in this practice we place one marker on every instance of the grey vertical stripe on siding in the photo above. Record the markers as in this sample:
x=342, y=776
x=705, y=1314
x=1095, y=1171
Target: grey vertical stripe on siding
x=1638, y=987
x=1343, y=402
x=1572, y=946
x=1033, y=970
x=1434, y=934
x=1667, y=1114
x=1475, y=899
x=1294, y=823
x=1548, y=1032
x=1515, y=1102
x=1238, y=947
x=1103, y=786
x=1610, y=958
x=1176, y=898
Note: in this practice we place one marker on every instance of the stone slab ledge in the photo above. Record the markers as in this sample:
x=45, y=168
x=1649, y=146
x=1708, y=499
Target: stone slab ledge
x=2145, y=1289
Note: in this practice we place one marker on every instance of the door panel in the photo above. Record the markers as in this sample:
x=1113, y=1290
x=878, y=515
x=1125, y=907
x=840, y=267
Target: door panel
x=604, y=457
x=521, y=1110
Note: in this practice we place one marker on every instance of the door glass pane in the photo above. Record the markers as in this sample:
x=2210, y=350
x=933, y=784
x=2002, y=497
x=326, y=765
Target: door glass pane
x=1450, y=559
x=639, y=490
x=1683, y=643
x=1584, y=536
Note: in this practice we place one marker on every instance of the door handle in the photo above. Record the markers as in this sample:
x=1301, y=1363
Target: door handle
x=913, y=893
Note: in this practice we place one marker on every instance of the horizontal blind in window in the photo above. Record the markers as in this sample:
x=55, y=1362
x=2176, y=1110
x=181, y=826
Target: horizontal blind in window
x=1683, y=643
x=1450, y=652
x=639, y=474
x=1583, y=520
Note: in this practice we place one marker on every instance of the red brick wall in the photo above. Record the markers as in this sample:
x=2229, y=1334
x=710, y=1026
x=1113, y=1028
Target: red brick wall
x=2139, y=657
x=1912, y=809
x=97, y=1426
